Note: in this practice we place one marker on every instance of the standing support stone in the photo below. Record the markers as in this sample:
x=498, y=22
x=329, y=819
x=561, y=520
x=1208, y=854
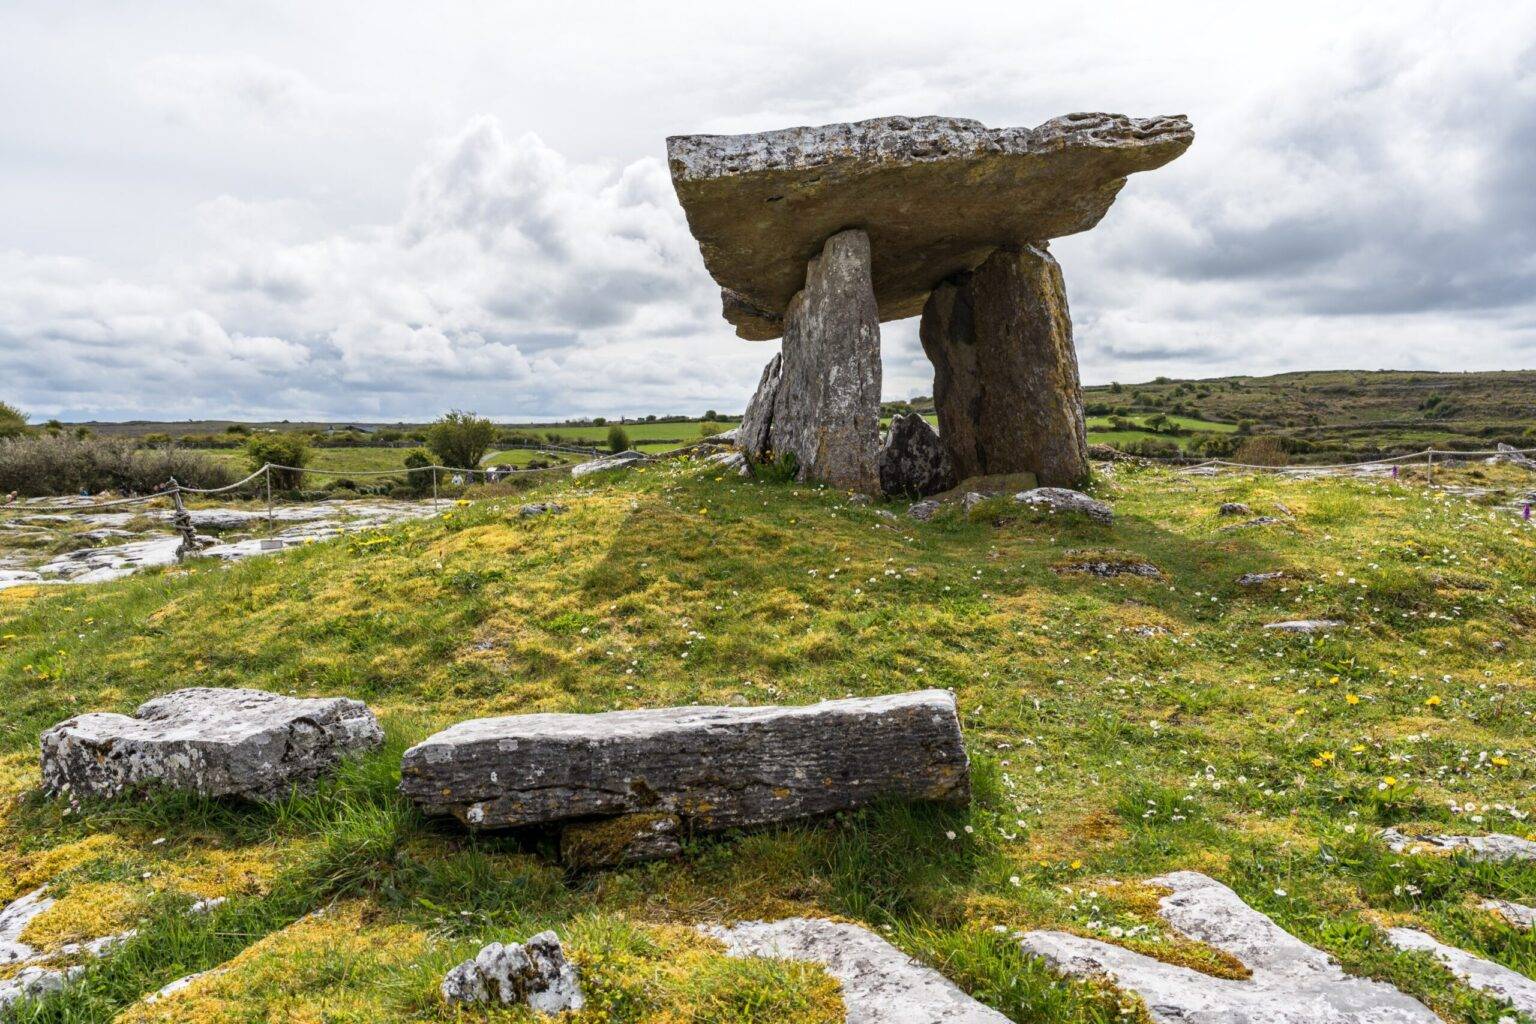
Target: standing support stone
x=1005, y=371
x=755, y=435
x=827, y=406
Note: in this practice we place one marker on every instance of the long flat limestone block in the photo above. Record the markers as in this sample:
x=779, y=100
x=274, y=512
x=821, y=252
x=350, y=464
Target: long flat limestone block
x=211, y=741
x=935, y=194
x=712, y=767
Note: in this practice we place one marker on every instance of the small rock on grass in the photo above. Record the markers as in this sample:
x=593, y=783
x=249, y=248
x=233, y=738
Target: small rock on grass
x=535, y=974
x=540, y=508
x=1234, y=508
x=1258, y=579
x=1495, y=847
x=1303, y=625
x=1062, y=499
x=1517, y=914
x=923, y=510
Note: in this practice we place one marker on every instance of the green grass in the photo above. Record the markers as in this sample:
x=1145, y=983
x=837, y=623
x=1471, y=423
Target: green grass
x=1119, y=729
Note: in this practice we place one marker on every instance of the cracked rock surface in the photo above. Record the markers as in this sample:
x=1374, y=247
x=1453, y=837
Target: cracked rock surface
x=211, y=741
x=1291, y=982
x=881, y=984
x=713, y=767
x=533, y=973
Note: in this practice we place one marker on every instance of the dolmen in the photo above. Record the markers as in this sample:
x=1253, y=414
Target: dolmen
x=628, y=785
x=209, y=741
x=818, y=235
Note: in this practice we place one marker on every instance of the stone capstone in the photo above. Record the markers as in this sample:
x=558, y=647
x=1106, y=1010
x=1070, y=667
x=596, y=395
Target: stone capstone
x=1062, y=500
x=618, y=460
x=936, y=196
x=1497, y=980
x=1005, y=380
x=214, y=742
x=913, y=462
x=711, y=767
x=535, y=974
x=826, y=409
x=1291, y=982
x=881, y=984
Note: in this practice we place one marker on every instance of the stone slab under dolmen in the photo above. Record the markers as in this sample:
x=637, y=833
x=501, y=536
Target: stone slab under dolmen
x=881, y=984
x=936, y=195
x=711, y=767
x=1291, y=982
x=210, y=741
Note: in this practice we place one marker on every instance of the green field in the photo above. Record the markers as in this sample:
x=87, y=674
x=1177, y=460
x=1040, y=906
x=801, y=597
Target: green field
x=1119, y=728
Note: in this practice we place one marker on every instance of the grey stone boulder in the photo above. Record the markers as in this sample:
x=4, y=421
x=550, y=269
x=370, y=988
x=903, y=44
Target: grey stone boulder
x=936, y=195
x=1291, y=982
x=1497, y=980
x=1233, y=508
x=913, y=462
x=881, y=984
x=712, y=767
x=731, y=462
x=214, y=742
x=1494, y=847
x=1057, y=500
x=608, y=463
x=540, y=508
x=535, y=974
x=923, y=511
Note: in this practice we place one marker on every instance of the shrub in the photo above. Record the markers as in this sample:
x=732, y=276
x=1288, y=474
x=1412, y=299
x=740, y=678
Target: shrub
x=62, y=463
x=461, y=439
x=1263, y=451
x=12, y=420
x=289, y=449
x=618, y=439
x=418, y=477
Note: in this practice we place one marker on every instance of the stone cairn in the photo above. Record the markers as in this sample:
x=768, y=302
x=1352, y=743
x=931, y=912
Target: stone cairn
x=817, y=235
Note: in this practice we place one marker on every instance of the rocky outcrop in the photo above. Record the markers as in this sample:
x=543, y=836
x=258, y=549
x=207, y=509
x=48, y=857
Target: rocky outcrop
x=711, y=767
x=1060, y=500
x=913, y=462
x=1291, y=982
x=755, y=435
x=618, y=460
x=827, y=406
x=535, y=974
x=1303, y=625
x=1497, y=980
x=214, y=742
x=935, y=194
x=1005, y=372
x=881, y=984
x=1494, y=847
x=731, y=462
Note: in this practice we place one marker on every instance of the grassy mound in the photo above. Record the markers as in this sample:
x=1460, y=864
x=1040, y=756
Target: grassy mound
x=1121, y=727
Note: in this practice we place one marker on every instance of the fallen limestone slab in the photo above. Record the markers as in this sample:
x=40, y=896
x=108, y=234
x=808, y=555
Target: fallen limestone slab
x=1494, y=847
x=1303, y=625
x=1291, y=982
x=713, y=767
x=936, y=195
x=214, y=742
x=1497, y=980
x=14, y=920
x=534, y=973
x=1518, y=915
x=881, y=984
x=1065, y=500
x=619, y=460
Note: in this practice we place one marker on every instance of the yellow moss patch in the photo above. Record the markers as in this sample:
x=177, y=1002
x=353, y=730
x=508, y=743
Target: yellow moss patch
x=20, y=873
x=210, y=873
x=88, y=910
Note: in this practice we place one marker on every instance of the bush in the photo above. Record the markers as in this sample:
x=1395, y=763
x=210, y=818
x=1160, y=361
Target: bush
x=62, y=463
x=1262, y=451
x=290, y=449
x=461, y=439
x=418, y=477
x=618, y=439
x=12, y=420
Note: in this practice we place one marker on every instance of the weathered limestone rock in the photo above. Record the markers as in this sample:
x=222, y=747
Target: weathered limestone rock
x=732, y=462
x=1062, y=500
x=712, y=767
x=755, y=435
x=827, y=406
x=618, y=460
x=540, y=508
x=1303, y=626
x=913, y=462
x=1497, y=980
x=923, y=511
x=534, y=973
x=1517, y=915
x=881, y=984
x=1291, y=982
x=1233, y=508
x=1495, y=847
x=1258, y=579
x=935, y=194
x=216, y=742
x=14, y=920
x=1005, y=372
x=624, y=840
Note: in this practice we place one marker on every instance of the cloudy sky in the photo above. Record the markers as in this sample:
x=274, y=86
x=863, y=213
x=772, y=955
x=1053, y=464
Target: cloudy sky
x=379, y=211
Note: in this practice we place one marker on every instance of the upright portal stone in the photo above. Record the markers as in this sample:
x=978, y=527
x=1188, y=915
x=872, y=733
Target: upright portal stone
x=827, y=406
x=1005, y=371
x=755, y=434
